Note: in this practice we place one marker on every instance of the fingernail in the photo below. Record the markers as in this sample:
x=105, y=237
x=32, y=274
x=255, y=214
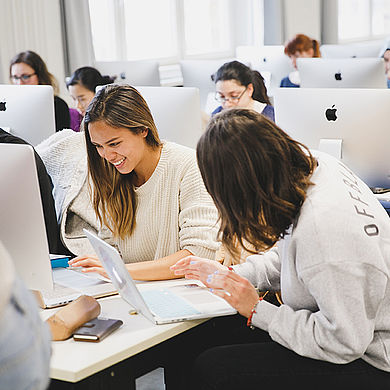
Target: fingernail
x=193, y=262
x=209, y=278
x=211, y=290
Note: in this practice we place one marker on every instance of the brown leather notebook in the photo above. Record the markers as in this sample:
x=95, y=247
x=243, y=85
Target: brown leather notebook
x=96, y=329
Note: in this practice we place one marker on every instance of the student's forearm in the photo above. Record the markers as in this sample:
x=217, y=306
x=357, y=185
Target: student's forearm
x=157, y=269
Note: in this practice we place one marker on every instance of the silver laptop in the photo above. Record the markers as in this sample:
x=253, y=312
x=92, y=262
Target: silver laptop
x=350, y=124
x=185, y=301
x=342, y=72
x=23, y=233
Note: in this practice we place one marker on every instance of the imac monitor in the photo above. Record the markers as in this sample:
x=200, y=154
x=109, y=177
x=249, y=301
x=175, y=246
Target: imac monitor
x=27, y=111
x=22, y=227
x=351, y=124
x=352, y=50
x=342, y=72
x=270, y=58
x=131, y=72
x=176, y=112
x=197, y=73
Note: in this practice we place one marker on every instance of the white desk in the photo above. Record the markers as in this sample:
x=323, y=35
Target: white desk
x=75, y=361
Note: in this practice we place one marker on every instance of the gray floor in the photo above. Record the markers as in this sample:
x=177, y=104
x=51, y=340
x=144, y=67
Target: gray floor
x=154, y=380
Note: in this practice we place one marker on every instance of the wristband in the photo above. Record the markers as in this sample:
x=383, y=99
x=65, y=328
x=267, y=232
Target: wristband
x=253, y=311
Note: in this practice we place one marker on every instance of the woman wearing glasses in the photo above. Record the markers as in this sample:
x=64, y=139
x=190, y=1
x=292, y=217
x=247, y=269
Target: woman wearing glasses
x=28, y=68
x=237, y=85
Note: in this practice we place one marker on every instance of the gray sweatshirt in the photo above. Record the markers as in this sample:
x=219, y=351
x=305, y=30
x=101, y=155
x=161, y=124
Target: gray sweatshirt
x=333, y=271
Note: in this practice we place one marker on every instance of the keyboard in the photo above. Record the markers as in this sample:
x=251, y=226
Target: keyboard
x=165, y=304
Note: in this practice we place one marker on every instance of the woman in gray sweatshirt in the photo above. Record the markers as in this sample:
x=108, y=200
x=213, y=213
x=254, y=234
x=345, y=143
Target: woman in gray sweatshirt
x=321, y=237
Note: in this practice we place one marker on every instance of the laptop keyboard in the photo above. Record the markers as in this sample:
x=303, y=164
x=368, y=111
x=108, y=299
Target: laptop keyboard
x=166, y=304
x=60, y=292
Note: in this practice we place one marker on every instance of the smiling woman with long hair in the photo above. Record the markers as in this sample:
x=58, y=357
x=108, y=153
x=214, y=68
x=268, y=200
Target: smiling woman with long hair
x=142, y=194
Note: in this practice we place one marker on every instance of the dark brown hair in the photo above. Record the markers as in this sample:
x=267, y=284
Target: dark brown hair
x=113, y=197
x=244, y=75
x=300, y=43
x=32, y=59
x=257, y=176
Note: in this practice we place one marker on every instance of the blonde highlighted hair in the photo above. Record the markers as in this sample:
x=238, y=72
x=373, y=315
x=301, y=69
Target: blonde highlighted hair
x=113, y=197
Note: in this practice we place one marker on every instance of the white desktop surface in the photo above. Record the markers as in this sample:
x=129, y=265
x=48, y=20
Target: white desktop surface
x=73, y=361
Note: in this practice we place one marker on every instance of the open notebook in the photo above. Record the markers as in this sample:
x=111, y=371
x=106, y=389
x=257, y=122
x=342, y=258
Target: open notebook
x=161, y=305
x=24, y=234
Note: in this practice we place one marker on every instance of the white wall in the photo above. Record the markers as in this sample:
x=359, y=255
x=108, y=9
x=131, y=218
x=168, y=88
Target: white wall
x=302, y=16
x=32, y=25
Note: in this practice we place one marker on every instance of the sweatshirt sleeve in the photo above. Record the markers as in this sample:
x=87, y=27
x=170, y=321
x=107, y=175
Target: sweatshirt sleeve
x=262, y=270
x=198, y=216
x=342, y=328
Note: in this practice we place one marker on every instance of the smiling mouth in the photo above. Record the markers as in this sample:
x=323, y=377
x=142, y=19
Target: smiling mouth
x=116, y=164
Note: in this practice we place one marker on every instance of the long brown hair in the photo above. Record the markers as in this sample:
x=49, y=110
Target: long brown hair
x=113, y=197
x=36, y=62
x=300, y=43
x=257, y=176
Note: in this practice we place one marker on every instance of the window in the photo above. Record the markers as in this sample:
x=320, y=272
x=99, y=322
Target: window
x=166, y=30
x=206, y=27
x=363, y=19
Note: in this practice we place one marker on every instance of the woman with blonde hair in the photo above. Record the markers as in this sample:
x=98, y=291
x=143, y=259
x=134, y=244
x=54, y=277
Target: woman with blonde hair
x=300, y=46
x=141, y=194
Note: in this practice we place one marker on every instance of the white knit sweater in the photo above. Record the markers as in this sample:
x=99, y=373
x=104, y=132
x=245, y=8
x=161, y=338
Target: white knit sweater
x=174, y=210
x=333, y=271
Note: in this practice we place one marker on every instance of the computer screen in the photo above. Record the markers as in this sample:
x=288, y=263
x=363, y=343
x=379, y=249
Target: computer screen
x=269, y=58
x=197, y=73
x=27, y=111
x=342, y=72
x=352, y=124
x=176, y=112
x=22, y=226
x=131, y=72
x=352, y=50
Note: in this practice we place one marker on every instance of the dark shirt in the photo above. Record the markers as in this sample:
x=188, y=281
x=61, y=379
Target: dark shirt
x=286, y=83
x=61, y=112
x=268, y=112
x=45, y=186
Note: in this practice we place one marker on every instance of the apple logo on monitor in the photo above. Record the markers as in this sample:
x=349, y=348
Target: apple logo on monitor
x=337, y=76
x=330, y=113
x=2, y=106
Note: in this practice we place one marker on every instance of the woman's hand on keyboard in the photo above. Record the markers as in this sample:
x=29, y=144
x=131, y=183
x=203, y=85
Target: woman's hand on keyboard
x=193, y=267
x=88, y=263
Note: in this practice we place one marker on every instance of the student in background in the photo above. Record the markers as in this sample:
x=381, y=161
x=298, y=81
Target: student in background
x=385, y=54
x=25, y=340
x=82, y=86
x=28, y=68
x=331, y=260
x=237, y=85
x=300, y=46
x=148, y=198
